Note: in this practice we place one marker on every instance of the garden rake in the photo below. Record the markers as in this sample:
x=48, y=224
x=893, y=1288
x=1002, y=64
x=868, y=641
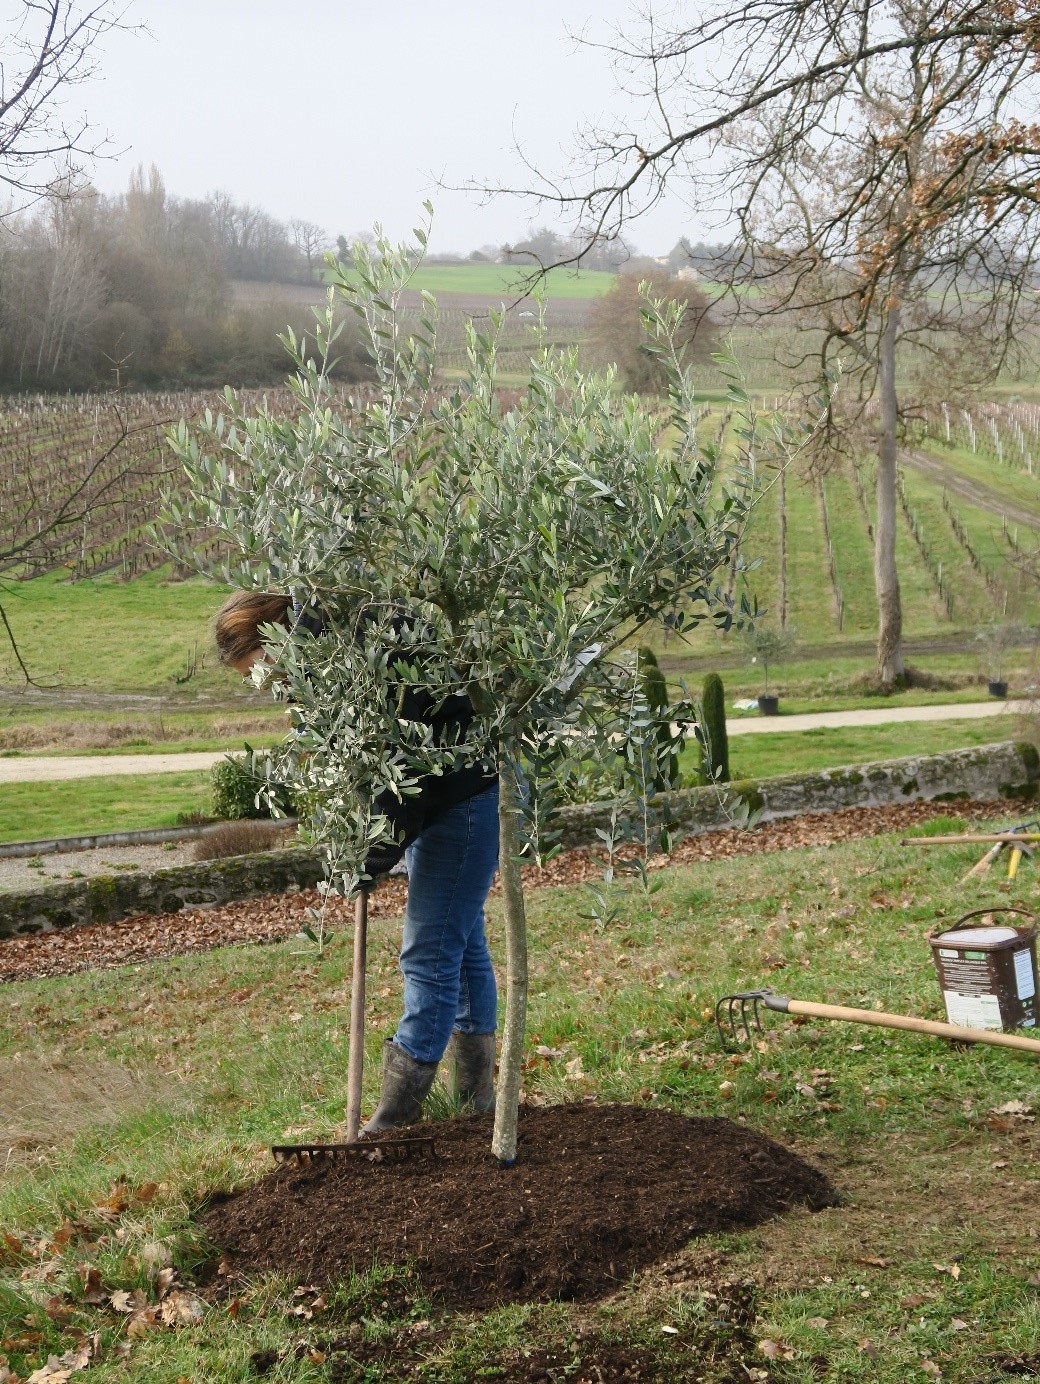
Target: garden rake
x=355, y=1147
x=738, y=1018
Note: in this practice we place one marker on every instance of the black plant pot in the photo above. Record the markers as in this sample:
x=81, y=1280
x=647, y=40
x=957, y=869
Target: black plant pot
x=769, y=706
x=998, y=689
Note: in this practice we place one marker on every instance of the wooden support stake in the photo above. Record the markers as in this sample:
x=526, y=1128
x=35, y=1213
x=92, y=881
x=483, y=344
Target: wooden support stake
x=356, y=1050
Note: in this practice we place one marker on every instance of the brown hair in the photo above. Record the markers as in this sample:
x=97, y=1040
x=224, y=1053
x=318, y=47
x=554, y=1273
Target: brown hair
x=239, y=620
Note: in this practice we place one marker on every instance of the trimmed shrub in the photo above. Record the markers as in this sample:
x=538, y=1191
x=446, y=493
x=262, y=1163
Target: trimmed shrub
x=655, y=690
x=236, y=789
x=240, y=838
x=716, y=737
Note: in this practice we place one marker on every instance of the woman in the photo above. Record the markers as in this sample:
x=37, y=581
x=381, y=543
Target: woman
x=448, y=836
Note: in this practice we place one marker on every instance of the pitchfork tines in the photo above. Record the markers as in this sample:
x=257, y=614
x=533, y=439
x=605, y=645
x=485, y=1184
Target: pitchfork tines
x=388, y=1150
x=737, y=1016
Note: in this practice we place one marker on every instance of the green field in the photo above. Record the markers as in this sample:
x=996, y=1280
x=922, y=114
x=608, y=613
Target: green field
x=73, y=807
x=508, y=281
x=104, y=633
x=120, y=802
x=129, y=1097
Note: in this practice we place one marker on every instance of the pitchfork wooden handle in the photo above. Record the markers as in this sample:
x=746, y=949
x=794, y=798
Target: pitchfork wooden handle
x=356, y=1050
x=874, y=1016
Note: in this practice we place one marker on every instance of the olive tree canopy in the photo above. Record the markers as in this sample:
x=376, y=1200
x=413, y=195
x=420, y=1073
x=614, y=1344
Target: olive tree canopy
x=459, y=547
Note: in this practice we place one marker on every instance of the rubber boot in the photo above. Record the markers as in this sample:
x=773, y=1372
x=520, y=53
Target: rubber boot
x=471, y=1070
x=406, y=1084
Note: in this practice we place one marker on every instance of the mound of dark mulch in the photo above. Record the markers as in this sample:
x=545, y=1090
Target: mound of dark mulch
x=597, y=1193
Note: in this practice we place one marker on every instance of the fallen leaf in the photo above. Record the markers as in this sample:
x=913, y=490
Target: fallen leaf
x=875, y=1261
x=820, y=1323
x=94, y=1291
x=127, y=1302
x=51, y=1372
x=57, y=1310
x=551, y=1053
x=60, y=1368
x=64, y=1235
x=930, y=1367
x=10, y=1247
x=912, y=1301
x=181, y=1308
x=147, y=1319
x=867, y=1348
x=574, y=1069
x=958, y=1324
x=164, y=1281
x=1015, y=1108
x=775, y=1350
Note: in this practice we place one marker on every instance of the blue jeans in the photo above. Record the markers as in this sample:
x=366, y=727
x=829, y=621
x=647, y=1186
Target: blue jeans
x=449, y=982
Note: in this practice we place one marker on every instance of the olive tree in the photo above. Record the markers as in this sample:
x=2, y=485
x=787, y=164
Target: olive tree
x=458, y=547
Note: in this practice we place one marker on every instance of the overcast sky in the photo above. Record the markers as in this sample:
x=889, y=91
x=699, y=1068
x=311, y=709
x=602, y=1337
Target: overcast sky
x=347, y=113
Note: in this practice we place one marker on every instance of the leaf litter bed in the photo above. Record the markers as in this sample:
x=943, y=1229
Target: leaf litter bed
x=277, y=917
x=598, y=1193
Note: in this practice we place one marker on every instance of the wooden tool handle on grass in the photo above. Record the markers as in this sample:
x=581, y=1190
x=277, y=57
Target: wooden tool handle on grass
x=938, y=1030
x=1007, y=838
x=356, y=1050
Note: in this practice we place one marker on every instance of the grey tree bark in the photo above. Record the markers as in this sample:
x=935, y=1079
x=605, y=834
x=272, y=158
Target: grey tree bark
x=886, y=578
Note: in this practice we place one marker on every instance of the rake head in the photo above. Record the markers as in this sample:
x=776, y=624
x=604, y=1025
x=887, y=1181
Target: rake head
x=389, y=1150
x=737, y=1016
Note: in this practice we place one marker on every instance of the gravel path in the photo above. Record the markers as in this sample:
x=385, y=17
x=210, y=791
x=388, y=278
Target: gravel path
x=45, y=768
x=22, y=873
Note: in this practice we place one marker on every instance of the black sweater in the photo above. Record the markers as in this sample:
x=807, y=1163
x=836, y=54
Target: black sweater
x=410, y=816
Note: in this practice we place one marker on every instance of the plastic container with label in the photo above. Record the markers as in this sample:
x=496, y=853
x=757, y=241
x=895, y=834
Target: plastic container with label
x=987, y=970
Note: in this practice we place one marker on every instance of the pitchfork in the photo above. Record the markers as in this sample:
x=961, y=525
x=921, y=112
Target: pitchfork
x=355, y=1147
x=738, y=1018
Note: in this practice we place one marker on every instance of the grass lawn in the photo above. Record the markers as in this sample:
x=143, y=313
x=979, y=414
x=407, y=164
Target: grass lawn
x=72, y=807
x=111, y=635
x=123, y=802
x=1002, y=481
x=507, y=280
x=174, y=1077
x=795, y=752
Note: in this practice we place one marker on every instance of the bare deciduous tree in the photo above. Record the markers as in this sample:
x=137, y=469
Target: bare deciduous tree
x=310, y=239
x=879, y=161
x=51, y=46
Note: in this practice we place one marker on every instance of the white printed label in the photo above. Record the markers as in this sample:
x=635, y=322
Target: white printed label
x=972, y=1011
x=1024, y=978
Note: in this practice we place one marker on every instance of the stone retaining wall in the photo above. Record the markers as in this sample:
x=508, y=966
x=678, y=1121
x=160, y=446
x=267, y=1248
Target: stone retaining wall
x=1005, y=770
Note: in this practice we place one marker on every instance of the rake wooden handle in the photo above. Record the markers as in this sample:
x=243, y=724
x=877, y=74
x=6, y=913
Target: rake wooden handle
x=874, y=1016
x=1003, y=837
x=356, y=1049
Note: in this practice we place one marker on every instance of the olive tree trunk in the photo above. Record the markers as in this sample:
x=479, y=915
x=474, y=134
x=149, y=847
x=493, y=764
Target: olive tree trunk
x=507, y=1096
x=886, y=578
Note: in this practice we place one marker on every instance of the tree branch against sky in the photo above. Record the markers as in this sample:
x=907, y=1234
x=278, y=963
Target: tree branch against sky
x=49, y=47
x=877, y=162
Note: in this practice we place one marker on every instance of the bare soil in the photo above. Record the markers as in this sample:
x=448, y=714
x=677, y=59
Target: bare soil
x=598, y=1192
